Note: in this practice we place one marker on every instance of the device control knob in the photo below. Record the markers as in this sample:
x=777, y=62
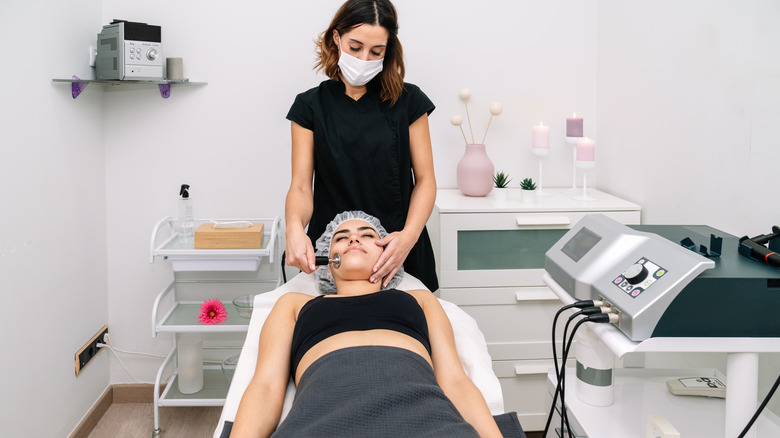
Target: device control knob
x=151, y=55
x=635, y=273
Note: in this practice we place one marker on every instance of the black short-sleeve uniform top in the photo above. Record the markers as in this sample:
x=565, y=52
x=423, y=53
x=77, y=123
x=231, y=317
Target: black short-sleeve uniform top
x=362, y=160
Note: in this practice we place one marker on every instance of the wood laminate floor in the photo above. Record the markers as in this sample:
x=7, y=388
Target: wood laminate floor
x=136, y=420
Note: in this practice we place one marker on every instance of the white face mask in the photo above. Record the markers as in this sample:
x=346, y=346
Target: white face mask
x=356, y=71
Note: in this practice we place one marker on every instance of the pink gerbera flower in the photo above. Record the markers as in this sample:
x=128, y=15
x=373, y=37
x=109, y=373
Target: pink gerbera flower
x=212, y=312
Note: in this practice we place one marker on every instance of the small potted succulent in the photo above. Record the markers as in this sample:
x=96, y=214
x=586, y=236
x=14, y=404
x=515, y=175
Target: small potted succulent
x=529, y=191
x=501, y=180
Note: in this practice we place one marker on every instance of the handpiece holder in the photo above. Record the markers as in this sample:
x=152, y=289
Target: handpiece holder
x=753, y=248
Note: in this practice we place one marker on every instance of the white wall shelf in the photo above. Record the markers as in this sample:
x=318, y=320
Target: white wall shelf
x=78, y=85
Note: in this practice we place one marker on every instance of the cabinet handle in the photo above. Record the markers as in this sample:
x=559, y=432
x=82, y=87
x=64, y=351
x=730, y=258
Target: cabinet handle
x=525, y=221
x=542, y=295
x=523, y=370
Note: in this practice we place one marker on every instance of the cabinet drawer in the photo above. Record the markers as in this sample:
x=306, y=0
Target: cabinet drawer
x=524, y=387
x=504, y=249
x=516, y=322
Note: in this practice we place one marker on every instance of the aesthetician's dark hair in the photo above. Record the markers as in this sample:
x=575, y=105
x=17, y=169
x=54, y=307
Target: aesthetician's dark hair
x=352, y=14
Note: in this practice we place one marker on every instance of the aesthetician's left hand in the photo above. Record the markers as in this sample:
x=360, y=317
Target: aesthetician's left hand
x=397, y=246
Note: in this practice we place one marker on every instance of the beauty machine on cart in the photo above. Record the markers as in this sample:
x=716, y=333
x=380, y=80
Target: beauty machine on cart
x=668, y=292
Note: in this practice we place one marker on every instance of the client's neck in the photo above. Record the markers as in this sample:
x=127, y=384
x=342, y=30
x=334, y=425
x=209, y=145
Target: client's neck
x=356, y=287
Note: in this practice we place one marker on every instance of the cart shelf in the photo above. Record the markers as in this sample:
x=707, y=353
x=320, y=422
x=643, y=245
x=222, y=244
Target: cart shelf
x=168, y=244
x=183, y=317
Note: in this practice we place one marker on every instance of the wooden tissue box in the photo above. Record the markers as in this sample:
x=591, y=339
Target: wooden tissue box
x=208, y=237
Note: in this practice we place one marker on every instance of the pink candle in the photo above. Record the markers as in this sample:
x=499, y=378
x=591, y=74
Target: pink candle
x=541, y=136
x=586, y=149
x=574, y=126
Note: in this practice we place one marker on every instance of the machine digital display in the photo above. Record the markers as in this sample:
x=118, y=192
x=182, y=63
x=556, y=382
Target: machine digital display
x=580, y=244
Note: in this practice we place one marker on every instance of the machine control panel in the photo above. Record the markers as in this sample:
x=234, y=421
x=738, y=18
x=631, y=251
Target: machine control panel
x=638, y=277
x=638, y=273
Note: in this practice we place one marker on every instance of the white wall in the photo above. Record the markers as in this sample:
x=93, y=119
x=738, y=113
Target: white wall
x=52, y=218
x=690, y=90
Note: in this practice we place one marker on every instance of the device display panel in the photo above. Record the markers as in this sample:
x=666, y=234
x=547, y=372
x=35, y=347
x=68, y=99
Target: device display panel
x=580, y=244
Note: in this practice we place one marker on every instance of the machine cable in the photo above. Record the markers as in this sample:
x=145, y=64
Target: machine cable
x=760, y=408
x=592, y=311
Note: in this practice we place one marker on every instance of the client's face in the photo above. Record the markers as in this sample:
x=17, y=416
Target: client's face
x=354, y=241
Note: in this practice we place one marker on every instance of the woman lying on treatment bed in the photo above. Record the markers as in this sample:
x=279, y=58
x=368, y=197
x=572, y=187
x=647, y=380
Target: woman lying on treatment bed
x=366, y=362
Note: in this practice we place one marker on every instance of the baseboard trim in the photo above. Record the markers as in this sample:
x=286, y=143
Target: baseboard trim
x=118, y=393
x=88, y=423
x=134, y=393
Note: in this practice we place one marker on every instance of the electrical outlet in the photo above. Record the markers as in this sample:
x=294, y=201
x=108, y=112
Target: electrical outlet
x=92, y=55
x=90, y=349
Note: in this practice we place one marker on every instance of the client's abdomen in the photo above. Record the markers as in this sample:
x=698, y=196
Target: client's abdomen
x=378, y=337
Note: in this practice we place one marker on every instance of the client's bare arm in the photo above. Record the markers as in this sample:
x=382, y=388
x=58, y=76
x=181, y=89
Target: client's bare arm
x=261, y=405
x=449, y=371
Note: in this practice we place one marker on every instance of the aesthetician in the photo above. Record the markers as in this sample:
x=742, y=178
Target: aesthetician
x=363, y=137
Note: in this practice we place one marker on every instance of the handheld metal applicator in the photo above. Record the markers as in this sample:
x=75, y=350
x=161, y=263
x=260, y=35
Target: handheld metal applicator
x=323, y=260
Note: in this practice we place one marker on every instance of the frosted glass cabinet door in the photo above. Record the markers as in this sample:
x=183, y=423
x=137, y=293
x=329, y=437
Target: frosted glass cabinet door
x=503, y=249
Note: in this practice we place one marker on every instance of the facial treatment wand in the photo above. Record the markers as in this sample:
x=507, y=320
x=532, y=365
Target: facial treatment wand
x=322, y=260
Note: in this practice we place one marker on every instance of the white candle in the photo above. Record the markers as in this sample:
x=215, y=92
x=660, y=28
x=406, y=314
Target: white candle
x=586, y=149
x=541, y=136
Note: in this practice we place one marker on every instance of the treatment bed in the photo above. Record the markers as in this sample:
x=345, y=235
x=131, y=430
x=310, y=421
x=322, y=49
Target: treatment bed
x=469, y=342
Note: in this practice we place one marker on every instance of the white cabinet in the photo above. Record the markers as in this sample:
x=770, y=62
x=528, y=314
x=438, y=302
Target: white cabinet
x=490, y=261
x=199, y=274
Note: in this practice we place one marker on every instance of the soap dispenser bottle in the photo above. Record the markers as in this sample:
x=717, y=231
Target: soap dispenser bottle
x=185, y=214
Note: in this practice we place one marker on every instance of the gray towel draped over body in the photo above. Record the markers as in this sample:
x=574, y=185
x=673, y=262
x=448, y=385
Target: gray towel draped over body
x=372, y=392
x=375, y=392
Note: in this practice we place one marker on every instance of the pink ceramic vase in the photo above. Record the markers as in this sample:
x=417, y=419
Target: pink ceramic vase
x=475, y=171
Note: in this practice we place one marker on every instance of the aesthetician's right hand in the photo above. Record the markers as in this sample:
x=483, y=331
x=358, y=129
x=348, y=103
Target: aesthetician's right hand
x=299, y=250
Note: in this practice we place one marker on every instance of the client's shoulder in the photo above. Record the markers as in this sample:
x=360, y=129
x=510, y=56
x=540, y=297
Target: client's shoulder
x=423, y=296
x=293, y=301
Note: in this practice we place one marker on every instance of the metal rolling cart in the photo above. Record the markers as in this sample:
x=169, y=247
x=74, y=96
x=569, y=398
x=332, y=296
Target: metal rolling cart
x=176, y=309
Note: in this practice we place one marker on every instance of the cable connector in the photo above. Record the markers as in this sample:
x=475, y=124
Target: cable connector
x=610, y=318
x=595, y=310
x=587, y=303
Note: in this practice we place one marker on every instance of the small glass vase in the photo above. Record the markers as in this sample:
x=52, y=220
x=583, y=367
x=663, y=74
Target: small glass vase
x=475, y=171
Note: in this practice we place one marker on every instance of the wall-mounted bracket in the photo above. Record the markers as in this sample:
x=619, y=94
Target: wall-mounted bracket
x=165, y=90
x=77, y=87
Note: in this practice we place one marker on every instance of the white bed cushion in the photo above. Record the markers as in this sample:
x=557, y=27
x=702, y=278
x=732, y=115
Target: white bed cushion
x=469, y=341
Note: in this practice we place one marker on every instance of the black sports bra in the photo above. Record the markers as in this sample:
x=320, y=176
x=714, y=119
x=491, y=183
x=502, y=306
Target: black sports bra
x=322, y=317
